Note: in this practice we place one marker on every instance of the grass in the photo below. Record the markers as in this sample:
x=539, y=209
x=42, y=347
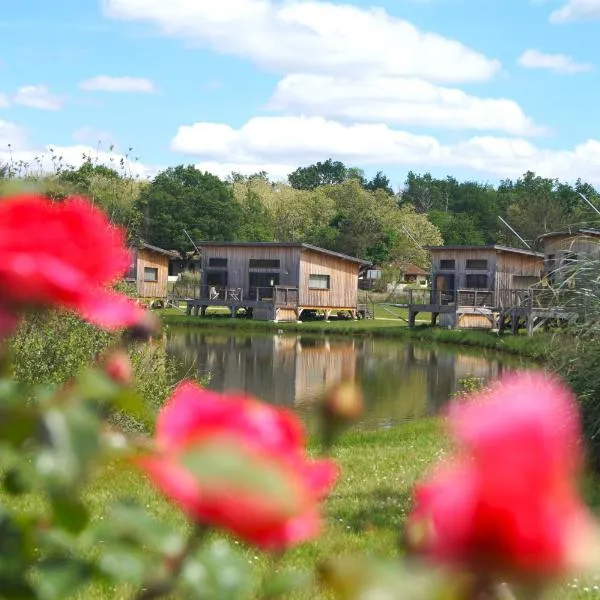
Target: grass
x=385, y=327
x=365, y=512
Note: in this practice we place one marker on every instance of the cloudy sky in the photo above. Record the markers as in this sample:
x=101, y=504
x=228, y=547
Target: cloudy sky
x=481, y=89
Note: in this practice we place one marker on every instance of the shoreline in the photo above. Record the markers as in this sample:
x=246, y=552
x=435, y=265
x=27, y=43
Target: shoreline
x=535, y=347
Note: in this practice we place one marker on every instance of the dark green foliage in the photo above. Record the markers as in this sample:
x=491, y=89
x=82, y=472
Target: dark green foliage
x=256, y=223
x=322, y=173
x=185, y=198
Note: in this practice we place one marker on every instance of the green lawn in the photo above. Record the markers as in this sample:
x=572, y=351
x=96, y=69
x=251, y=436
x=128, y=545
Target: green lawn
x=366, y=510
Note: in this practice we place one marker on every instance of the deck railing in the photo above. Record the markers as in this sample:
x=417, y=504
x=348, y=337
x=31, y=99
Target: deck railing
x=531, y=298
x=281, y=296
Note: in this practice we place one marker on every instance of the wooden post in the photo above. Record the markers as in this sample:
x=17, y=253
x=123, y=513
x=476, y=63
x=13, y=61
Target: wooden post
x=411, y=316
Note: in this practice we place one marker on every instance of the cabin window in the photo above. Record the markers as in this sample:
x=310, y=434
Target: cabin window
x=217, y=262
x=264, y=263
x=480, y=264
x=150, y=274
x=131, y=271
x=447, y=264
x=318, y=282
x=477, y=282
x=263, y=280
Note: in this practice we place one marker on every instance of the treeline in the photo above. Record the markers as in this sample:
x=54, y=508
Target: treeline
x=326, y=204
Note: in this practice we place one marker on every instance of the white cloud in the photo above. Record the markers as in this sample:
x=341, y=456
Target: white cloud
x=280, y=142
x=276, y=171
x=576, y=10
x=311, y=36
x=11, y=134
x=398, y=101
x=559, y=63
x=16, y=149
x=105, y=83
x=4, y=102
x=90, y=135
x=37, y=96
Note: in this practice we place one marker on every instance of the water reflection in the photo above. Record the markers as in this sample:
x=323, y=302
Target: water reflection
x=402, y=381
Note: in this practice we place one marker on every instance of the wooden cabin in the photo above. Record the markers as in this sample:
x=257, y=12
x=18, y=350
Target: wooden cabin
x=563, y=250
x=471, y=285
x=411, y=274
x=274, y=280
x=149, y=271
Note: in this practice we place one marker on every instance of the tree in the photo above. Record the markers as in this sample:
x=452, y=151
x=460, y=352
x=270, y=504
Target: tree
x=379, y=182
x=457, y=228
x=321, y=173
x=183, y=197
x=116, y=193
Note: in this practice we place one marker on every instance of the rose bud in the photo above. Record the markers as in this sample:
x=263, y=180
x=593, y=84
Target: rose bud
x=118, y=367
x=344, y=402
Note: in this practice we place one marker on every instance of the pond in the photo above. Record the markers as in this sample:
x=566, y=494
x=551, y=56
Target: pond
x=401, y=380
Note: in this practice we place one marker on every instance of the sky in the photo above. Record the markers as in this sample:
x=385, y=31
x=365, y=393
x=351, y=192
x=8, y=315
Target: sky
x=477, y=89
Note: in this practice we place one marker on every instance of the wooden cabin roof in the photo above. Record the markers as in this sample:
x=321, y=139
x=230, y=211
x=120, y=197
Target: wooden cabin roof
x=170, y=253
x=570, y=232
x=410, y=269
x=339, y=255
x=490, y=247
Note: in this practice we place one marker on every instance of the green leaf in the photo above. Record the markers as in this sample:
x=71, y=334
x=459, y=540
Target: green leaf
x=71, y=442
x=69, y=513
x=224, y=465
x=60, y=577
x=14, y=482
x=18, y=423
x=216, y=572
x=359, y=578
x=94, y=384
x=16, y=553
x=123, y=564
x=128, y=521
x=283, y=582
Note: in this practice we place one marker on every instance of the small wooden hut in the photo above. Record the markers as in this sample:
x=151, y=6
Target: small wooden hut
x=563, y=250
x=149, y=271
x=274, y=280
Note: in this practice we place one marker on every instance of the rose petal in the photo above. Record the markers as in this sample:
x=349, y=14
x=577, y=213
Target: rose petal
x=110, y=310
x=8, y=322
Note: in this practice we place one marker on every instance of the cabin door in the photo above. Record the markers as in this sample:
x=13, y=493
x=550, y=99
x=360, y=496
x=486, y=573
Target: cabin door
x=261, y=285
x=444, y=286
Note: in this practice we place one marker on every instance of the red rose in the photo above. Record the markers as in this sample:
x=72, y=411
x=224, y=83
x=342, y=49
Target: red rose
x=269, y=440
x=61, y=254
x=508, y=502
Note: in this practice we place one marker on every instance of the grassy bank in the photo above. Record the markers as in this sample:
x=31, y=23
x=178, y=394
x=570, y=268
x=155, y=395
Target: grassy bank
x=534, y=347
x=365, y=512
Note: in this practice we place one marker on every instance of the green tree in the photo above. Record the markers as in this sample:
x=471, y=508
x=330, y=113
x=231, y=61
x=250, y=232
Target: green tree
x=321, y=173
x=114, y=192
x=379, y=182
x=457, y=228
x=183, y=197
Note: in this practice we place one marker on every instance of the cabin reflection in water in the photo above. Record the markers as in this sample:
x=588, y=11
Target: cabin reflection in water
x=401, y=381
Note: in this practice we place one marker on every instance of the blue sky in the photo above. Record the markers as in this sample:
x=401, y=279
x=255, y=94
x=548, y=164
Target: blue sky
x=478, y=89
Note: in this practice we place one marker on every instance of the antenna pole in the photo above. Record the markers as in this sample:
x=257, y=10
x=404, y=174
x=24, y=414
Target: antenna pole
x=588, y=202
x=503, y=221
x=191, y=240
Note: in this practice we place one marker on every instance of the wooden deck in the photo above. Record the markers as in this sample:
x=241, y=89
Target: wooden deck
x=276, y=303
x=485, y=309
